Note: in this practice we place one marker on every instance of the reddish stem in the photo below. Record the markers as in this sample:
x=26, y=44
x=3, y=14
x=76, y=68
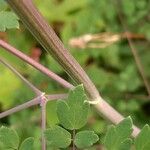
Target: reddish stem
x=35, y=64
x=30, y=103
x=30, y=85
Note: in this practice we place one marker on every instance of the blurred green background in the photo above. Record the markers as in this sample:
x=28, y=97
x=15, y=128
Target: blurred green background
x=112, y=68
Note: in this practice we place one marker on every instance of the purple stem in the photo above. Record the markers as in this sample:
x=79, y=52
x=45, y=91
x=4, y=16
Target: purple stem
x=30, y=103
x=43, y=120
x=35, y=64
x=30, y=85
x=59, y=96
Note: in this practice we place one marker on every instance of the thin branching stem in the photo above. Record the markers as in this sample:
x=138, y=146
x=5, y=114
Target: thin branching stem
x=29, y=84
x=139, y=65
x=35, y=64
x=43, y=120
x=59, y=96
x=73, y=138
x=41, y=99
x=30, y=103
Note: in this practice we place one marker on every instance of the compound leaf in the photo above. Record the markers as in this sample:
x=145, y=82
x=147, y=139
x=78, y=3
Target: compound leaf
x=8, y=20
x=85, y=139
x=9, y=138
x=126, y=145
x=117, y=137
x=27, y=144
x=142, y=142
x=73, y=112
x=58, y=137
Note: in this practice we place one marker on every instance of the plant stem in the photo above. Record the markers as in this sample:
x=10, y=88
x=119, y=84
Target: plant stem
x=112, y=115
x=49, y=40
x=43, y=120
x=30, y=85
x=139, y=65
x=30, y=103
x=46, y=36
x=73, y=138
x=59, y=96
x=35, y=64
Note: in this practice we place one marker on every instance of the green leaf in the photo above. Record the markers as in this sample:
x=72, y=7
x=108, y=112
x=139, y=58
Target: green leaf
x=127, y=75
x=126, y=145
x=73, y=112
x=58, y=137
x=27, y=144
x=85, y=139
x=117, y=136
x=142, y=142
x=9, y=138
x=51, y=108
x=8, y=20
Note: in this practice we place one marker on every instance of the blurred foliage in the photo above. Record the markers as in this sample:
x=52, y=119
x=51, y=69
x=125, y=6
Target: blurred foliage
x=8, y=19
x=112, y=69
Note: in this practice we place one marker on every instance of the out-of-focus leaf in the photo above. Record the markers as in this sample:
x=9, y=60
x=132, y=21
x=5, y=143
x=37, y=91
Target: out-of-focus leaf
x=98, y=76
x=128, y=7
x=131, y=106
x=128, y=75
x=27, y=144
x=61, y=11
x=8, y=20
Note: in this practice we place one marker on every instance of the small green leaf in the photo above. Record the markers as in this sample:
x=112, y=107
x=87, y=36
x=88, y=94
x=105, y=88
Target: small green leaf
x=73, y=112
x=58, y=137
x=85, y=139
x=8, y=20
x=9, y=138
x=142, y=142
x=27, y=144
x=117, y=137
